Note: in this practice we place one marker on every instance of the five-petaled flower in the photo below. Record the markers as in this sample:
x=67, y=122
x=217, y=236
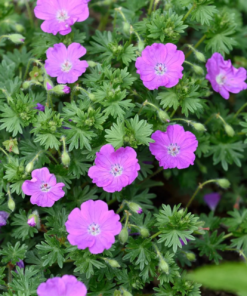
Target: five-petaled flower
x=223, y=77
x=160, y=65
x=59, y=15
x=43, y=188
x=68, y=285
x=64, y=63
x=174, y=148
x=93, y=226
x=114, y=169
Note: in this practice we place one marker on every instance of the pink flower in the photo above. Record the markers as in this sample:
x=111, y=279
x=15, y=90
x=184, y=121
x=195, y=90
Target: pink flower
x=174, y=148
x=93, y=226
x=212, y=200
x=31, y=222
x=48, y=86
x=66, y=89
x=223, y=77
x=114, y=169
x=43, y=188
x=64, y=63
x=59, y=15
x=3, y=218
x=68, y=285
x=160, y=65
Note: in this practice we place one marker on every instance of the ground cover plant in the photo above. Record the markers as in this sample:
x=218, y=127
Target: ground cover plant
x=123, y=147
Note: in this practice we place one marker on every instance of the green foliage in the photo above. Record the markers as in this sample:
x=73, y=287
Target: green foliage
x=12, y=253
x=174, y=225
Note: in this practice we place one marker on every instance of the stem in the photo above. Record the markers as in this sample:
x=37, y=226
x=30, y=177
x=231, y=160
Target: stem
x=150, y=7
x=111, y=201
x=239, y=111
x=173, y=113
x=209, y=119
x=49, y=100
x=154, y=174
x=49, y=153
x=181, y=119
x=144, y=104
x=29, y=12
x=189, y=12
x=4, y=152
x=156, y=234
x=227, y=235
x=197, y=190
x=197, y=44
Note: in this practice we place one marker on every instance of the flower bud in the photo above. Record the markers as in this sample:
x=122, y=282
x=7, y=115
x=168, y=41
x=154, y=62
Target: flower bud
x=126, y=28
x=11, y=203
x=26, y=84
x=91, y=96
x=144, y=232
x=48, y=86
x=65, y=158
x=229, y=130
x=92, y=64
x=141, y=45
x=164, y=266
x=112, y=262
x=16, y=38
x=134, y=207
x=223, y=183
x=61, y=89
x=198, y=126
x=191, y=256
x=117, y=293
x=123, y=235
x=200, y=56
x=34, y=220
x=29, y=167
x=198, y=70
x=163, y=116
x=125, y=292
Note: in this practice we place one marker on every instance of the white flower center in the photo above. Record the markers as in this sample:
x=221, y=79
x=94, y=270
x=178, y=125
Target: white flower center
x=66, y=66
x=45, y=187
x=116, y=170
x=62, y=15
x=173, y=149
x=93, y=229
x=160, y=69
x=220, y=79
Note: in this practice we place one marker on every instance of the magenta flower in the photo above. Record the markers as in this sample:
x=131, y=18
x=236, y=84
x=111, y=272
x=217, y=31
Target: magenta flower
x=48, y=86
x=160, y=65
x=174, y=148
x=59, y=15
x=21, y=264
x=223, y=77
x=114, y=169
x=66, y=89
x=68, y=285
x=40, y=107
x=3, y=218
x=31, y=222
x=212, y=200
x=43, y=188
x=93, y=226
x=64, y=63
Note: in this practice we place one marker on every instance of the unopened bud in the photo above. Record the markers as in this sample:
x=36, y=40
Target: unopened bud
x=11, y=203
x=16, y=38
x=48, y=85
x=125, y=292
x=34, y=220
x=19, y=28
x=200, y=56
x=164, y=266
x=198, y=70
x=61, y=89
x=92, y=64
x=229, y=130
x=126, y=28
x=29, y=167
x=134, y=207
x=163, y=116
x=123, y=235
x=223, y=183
x=112, y=262
x=198, y=126
x=191, y=256
x=26, y=84
x=11, y=145
x=91, y=96
x=65, y=158
x=144, y=232
x=141, y=45
x=117, y=293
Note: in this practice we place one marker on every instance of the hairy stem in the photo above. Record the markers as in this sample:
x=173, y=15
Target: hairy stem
x=189, y=11
x=197, y=44
x=150, y=7
x=240, y=110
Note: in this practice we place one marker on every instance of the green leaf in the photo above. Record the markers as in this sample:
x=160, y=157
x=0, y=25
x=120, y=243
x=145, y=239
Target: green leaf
x=115, y=135
x=13, y=254
x=168, y=99
x=204, y=13
x=230, y=277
